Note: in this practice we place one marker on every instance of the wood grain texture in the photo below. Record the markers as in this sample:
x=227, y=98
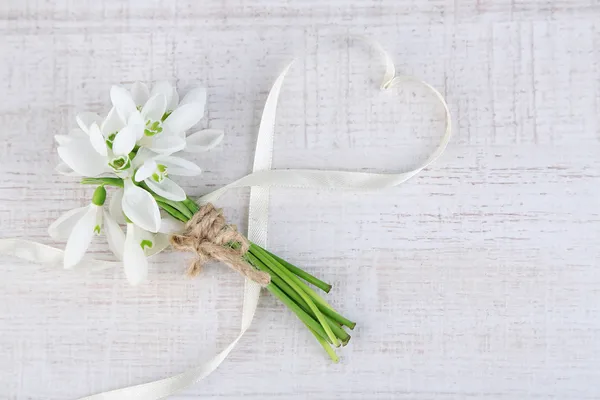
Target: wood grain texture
x=477, y=279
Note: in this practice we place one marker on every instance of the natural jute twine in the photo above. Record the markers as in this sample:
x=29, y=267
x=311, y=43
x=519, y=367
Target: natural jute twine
x=210, y=237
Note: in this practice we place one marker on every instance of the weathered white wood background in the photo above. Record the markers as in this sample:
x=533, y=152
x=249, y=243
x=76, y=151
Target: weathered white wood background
x=477, y=279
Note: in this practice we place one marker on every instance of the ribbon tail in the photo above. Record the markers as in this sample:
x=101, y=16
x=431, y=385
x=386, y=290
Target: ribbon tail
x=166, y=387
x=35, y=252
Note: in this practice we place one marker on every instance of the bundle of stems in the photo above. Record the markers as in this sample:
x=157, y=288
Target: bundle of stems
x=289, y=283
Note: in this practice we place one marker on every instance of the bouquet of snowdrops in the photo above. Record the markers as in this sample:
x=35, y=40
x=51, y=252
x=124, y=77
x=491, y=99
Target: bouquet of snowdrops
x=137, y=148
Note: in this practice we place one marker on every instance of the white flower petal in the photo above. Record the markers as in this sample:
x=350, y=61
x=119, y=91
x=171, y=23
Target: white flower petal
x=165, y=88
x=167, y=144
x=136, y=122
x=167, y=189
x=183, y=118
x=65, y=170
x=161, y=242
x=115, y=208
x=114, y=236
x=81, y=237
x=197, y=96
x=174, y=101
x=145, y=239
x=170, y=225
x=82, y=158
x=124, y=141
x=203, y=140
x=63, y=226
x=63, y=140
x=179, y=166
x=145, y=171
x=97, y=140
x=142, y=155
x=122, y=101
x=155, y=107
x=112, y=124
x=139, y=93
x=134, y=259
x=140, y=207
x=86, y=119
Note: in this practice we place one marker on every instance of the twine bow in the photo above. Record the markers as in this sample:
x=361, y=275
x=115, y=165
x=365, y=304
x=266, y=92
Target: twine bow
x=209, y=236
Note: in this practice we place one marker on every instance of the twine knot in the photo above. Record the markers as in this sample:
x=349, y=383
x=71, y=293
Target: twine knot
x=209, y=236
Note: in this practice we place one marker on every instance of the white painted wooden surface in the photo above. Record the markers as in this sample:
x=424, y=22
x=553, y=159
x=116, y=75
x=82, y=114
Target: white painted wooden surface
x=477, y=279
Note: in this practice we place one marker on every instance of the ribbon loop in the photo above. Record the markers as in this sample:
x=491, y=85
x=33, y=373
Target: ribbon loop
x=344, y=180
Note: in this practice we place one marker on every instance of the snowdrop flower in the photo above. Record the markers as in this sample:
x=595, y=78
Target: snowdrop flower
x=134, y=258
x=137, y=203
x=152, y=169
x=154, y=120
x=78, y=226
x=100, y=148
x=203, y=140
x=140, y=244
x=135, y=143
x=140, y=207
x=63, y=140
x=165, y=121
x=77, y=152
x=155, y=171
x=91, y=157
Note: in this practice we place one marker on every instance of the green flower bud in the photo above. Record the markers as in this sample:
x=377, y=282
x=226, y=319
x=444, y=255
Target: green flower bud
x=99, y=196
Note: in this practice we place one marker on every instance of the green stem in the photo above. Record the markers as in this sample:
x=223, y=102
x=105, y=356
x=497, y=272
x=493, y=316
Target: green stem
x=191, y=205
x=172, y=211
x=287, y=289
x=324, y=286
x=259, y=264
x=178, y=205
x=323, y=306
x=325, y=345
x=320, y=318
x=283, y=273
x=103, y=181
x=304, y=317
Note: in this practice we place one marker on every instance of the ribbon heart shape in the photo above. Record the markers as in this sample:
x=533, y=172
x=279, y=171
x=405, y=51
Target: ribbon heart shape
x=260, y=181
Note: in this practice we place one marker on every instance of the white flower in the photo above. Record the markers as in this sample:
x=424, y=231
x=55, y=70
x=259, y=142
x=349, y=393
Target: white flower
x=165, y=122
x=63, y=140
x=170, y=226
x=78, y=226
x=140, y=244
x=134, y=258
x=99, y=150
x=115, y=207
x=153, y=120
x=140, y=207
x=137, y=203
x=154, y=172
x=77, y=152
x=203, y=140
x=135, y=143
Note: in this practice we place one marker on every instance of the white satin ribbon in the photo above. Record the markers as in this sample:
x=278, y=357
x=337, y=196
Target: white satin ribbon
x=260, y=180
